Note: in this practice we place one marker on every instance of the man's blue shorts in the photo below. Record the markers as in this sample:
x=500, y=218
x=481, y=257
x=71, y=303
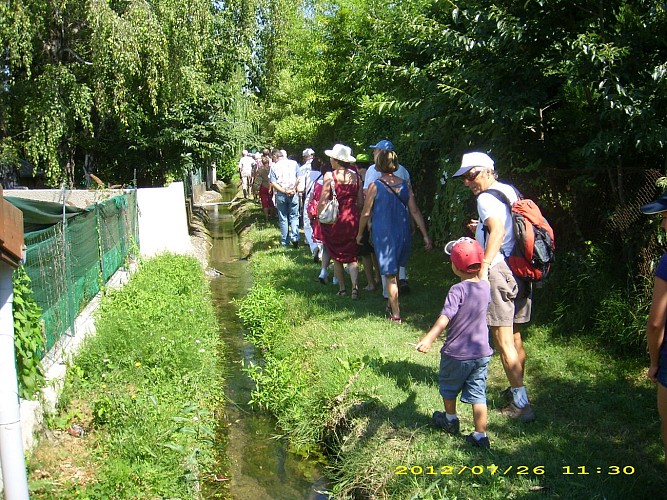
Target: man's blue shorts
x=662, y=369
x=466, y=377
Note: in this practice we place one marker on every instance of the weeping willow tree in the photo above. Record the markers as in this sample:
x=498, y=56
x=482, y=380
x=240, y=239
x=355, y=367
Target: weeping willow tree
x=118, y=87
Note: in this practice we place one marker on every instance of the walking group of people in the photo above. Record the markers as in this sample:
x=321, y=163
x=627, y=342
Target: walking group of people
x=376, y=206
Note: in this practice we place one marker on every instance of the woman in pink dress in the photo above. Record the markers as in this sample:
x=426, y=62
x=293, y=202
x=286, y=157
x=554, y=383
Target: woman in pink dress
x=340, y=238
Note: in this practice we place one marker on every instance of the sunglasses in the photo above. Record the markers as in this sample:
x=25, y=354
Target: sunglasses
x=471, y=174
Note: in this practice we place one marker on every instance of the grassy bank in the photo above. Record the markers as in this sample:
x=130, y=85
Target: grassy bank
x=145, y=389
x=341, y=378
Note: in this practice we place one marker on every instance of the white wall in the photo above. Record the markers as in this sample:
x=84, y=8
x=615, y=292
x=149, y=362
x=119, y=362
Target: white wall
x=163, y=223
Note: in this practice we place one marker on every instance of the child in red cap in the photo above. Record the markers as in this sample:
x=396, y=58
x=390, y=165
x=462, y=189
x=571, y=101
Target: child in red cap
x=466, y=352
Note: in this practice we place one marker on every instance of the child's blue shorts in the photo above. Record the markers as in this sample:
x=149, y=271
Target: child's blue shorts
x=466, y=377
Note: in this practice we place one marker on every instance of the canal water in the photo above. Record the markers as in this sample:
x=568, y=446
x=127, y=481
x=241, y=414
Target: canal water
x=260, y=465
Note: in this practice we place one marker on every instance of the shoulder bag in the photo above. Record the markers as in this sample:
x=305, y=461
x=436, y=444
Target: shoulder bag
x=329, y=213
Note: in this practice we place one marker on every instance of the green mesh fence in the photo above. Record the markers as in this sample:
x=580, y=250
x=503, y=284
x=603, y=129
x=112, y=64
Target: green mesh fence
x=70, y=261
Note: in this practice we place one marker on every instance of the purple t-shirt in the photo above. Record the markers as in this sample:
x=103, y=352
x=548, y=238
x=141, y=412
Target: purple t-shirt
x=661, y=273
x=467, y=331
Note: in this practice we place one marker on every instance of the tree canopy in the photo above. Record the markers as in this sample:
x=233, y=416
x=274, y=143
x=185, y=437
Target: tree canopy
x=570, y=98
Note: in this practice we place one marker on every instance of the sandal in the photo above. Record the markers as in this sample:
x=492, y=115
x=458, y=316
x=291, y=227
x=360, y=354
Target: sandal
x=355, y=293
x=395, y=319
x=341, y=293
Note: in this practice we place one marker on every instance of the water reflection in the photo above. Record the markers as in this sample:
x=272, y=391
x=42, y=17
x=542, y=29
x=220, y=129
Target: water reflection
x=260, y=467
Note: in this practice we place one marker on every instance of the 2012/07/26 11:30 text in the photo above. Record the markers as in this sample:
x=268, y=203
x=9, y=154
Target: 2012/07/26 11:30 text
x=519, y=470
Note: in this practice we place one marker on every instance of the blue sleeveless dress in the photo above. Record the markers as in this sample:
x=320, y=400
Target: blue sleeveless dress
x=390, y=227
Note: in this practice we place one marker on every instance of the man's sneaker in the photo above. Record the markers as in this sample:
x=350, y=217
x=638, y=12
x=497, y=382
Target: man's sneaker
x=525, y=414
x=403, y=286
x=440, y=421
x=506, y=393
x=479, y=443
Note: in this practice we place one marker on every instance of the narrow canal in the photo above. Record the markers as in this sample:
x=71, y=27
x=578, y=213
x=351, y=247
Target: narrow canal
x=260, y=466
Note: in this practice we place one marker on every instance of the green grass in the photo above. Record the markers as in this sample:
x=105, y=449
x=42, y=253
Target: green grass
x=147, y=387
x=339, y=376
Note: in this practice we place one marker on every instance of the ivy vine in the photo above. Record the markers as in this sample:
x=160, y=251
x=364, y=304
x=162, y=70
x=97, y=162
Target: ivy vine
x=29, y=340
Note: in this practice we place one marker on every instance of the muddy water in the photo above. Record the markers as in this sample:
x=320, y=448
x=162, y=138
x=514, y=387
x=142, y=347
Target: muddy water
x=260, y=466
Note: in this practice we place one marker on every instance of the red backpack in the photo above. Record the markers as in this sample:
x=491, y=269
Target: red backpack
x=534, y=243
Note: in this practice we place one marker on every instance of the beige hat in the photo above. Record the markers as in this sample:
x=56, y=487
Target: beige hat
x=341, y=152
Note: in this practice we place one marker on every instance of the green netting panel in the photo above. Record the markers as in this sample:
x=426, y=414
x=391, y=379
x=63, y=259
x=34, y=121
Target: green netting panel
x=114, y=240
x=68, y=263
x=83, y=259
x=45, y=265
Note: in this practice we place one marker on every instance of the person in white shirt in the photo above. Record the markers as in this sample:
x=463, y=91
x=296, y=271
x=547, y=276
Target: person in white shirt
x=307, y=178
x=246, y=167
x=284, y=175
x=511, y=298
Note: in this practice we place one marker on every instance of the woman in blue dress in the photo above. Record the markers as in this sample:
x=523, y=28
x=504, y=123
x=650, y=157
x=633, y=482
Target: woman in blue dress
x=388, y=206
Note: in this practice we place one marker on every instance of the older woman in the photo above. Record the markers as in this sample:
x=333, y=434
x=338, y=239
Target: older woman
x=340, y=237
x=389, y=204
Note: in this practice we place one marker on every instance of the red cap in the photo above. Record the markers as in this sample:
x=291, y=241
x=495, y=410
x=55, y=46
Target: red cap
x=466, y=253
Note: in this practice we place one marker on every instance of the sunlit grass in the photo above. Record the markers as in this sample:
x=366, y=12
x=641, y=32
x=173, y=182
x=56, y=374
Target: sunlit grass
x=146, y=387
x=352, y=376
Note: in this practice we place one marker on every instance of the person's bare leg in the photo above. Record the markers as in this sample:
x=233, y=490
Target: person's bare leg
x=503, y=338
x=392, y=291
x=479, y=416
x=367, y=262
x=339, y=273
x=518, y=345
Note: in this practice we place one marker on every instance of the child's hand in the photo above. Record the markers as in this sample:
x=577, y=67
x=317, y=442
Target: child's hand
x=424, y=345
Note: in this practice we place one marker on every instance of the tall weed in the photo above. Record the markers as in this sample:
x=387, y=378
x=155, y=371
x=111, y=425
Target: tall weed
x=586, y=295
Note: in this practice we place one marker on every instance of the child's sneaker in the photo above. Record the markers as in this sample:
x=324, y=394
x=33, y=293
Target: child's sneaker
x=479, y=443
x=440, y=421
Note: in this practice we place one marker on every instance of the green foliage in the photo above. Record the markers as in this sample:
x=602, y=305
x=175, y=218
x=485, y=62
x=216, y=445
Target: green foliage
x=263, y=313
x=29, y=338
x=156, y=87
x=150, y=383
x=587, y=300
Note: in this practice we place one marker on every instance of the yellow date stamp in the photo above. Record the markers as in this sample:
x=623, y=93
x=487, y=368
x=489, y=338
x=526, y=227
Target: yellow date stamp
x=474, y=470
x=507, y=470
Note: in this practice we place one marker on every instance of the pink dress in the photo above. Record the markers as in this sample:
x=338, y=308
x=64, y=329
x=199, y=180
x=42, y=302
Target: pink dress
x=340, y=238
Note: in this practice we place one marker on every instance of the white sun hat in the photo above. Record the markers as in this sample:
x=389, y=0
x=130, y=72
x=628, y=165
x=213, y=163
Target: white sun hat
x=340, y=152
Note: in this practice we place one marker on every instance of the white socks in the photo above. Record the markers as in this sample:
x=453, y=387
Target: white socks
x=520, y=396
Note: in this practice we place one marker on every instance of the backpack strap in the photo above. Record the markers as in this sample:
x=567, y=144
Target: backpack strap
x=502, y=197
x=498, y=194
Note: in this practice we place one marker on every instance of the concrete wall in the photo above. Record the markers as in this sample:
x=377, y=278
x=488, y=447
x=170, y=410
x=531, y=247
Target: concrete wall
x=163, y=223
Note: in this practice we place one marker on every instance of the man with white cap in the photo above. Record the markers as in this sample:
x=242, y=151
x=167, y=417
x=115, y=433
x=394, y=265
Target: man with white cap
x=511, y=298
x=371, y=176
